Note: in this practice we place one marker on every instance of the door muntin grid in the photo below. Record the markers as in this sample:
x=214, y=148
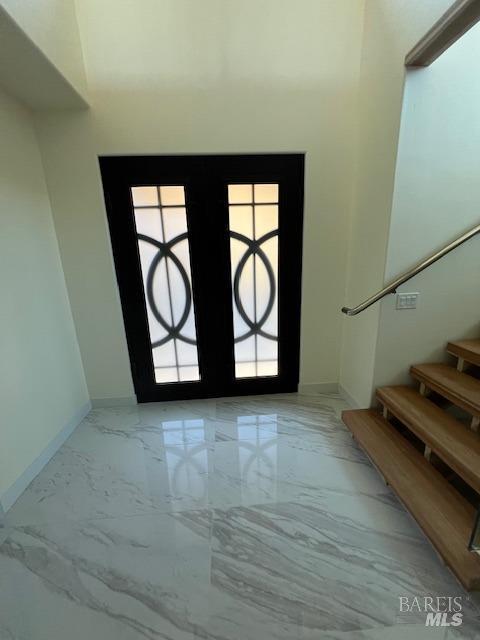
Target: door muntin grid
x=163, y=245
x=253, y=226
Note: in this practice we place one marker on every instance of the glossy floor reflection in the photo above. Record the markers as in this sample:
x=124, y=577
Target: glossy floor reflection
x=244, y=518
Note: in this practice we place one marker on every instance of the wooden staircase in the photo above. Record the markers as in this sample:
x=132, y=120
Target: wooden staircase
x=430, y=458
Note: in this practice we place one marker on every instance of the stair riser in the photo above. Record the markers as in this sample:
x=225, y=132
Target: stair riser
x=442, y=453
x=446, y=393
x=467, y=356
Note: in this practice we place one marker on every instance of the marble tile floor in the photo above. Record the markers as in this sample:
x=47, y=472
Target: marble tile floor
x=253, y=518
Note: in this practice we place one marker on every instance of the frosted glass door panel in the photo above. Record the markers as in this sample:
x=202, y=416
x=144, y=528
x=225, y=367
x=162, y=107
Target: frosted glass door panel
x=162, y=236
x=253, y=216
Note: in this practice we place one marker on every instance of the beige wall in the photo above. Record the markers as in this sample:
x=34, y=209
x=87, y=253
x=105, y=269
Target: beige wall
x=71, y=164
x=52, y=26
x=181, y=76
x=436, y=198
x=42, y=382
x=391, y=28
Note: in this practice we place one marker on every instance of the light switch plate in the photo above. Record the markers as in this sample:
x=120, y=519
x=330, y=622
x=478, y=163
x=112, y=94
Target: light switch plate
x=407, y=300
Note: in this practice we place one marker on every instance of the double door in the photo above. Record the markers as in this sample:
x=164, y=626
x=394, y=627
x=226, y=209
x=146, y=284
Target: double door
x=208, y=254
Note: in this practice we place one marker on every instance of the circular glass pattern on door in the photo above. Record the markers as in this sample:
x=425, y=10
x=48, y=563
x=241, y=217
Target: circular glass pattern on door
x=162, y=235
x=253, y=217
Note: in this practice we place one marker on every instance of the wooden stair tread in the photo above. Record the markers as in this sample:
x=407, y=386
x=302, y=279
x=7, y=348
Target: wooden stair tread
x=443, y=514
x=460, y=388
x=469, y=350
x=452, y=441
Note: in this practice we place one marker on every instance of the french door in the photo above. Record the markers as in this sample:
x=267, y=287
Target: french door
x=208, y=255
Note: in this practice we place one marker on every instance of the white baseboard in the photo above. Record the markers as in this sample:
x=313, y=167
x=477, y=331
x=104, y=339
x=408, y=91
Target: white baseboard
x=127, y=401
x=11, y=495
x=348, y=398
x=318, y=387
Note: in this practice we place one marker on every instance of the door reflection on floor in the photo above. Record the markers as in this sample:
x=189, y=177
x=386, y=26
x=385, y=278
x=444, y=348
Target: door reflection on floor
x=242, y=455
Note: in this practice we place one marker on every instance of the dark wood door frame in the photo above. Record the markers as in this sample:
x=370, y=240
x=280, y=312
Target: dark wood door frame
x=215, y=331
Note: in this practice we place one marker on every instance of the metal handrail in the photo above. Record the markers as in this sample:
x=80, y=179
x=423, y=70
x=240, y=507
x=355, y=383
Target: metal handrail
x=392, y=287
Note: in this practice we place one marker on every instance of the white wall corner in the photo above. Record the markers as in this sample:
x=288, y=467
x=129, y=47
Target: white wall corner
x=11, y=495
x=318, y=387
x=348, y=398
